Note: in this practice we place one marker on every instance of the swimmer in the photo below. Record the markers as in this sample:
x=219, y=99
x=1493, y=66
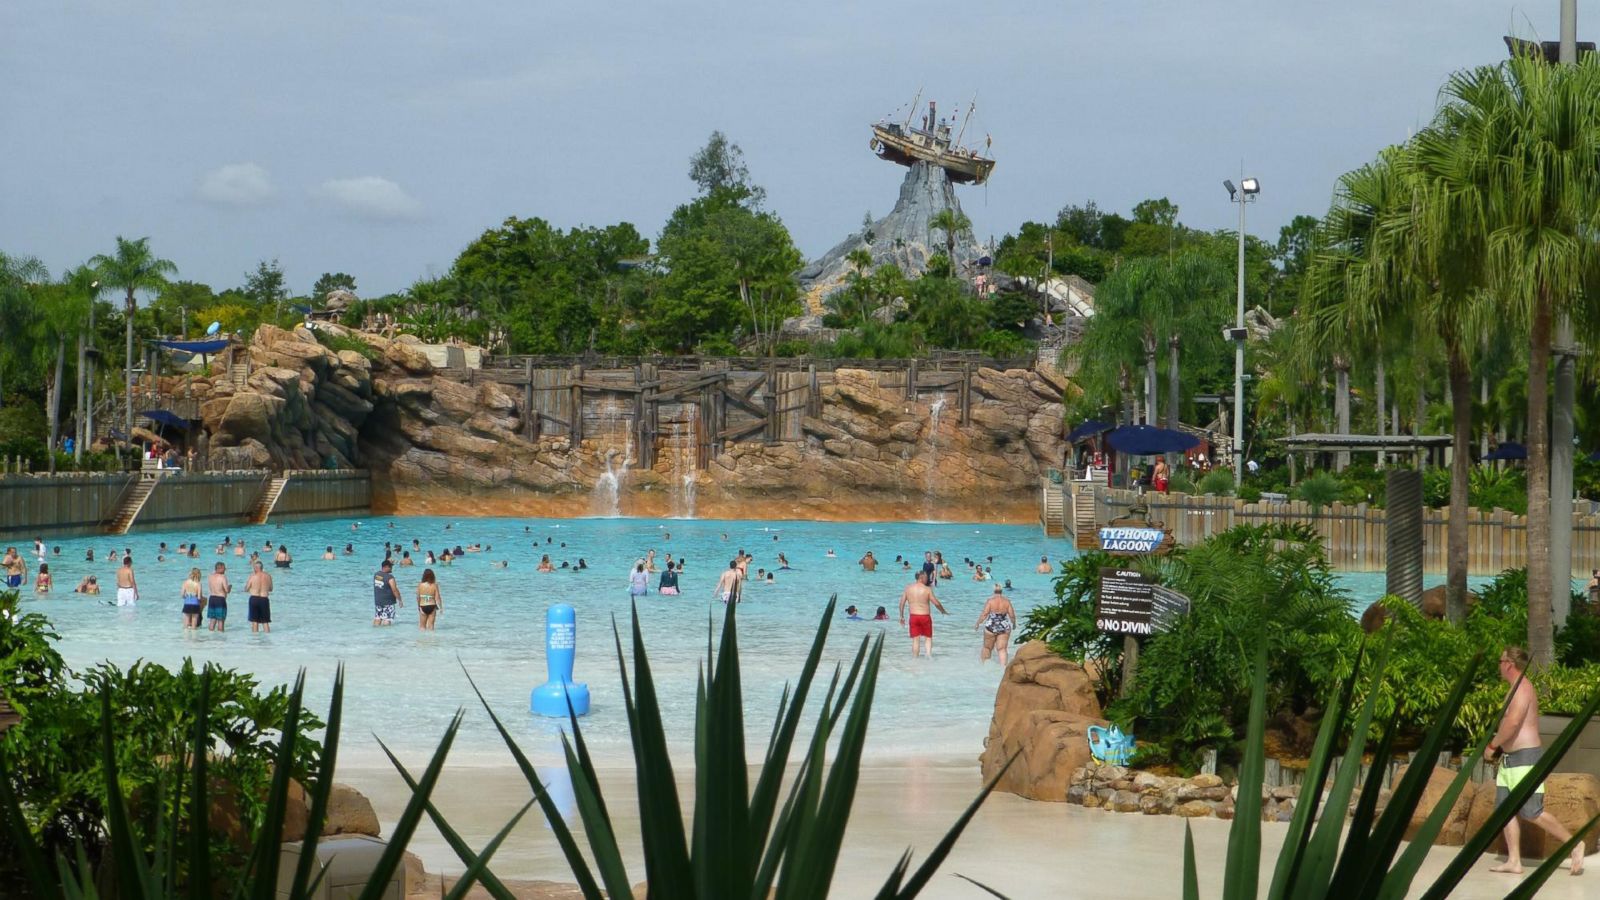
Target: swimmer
x=783, y=563
x=499, y=565
x=978, y=574
x=217, y=590
x=831, y=554
x=868, y=563
x=882, y=615
x=90, y=585
x=581, y=564
x=852, y=615
x=258, y=587
x=918, y=596
x=190, y=595
x=282, y=560
x=1043, y=568
x=431, y=559
x=127, y=585
x=638, y=582
x=668, y=586
x=238, y=549
x=727, y=589
x=405, y=559
x=349, y=550
x=544, y=564
x=769, y=578
x=328, y=553
x=996, y=621
x=430, y=601
x=42, y=581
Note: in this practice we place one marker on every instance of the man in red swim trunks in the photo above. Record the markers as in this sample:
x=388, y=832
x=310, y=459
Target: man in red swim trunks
x=918, y=596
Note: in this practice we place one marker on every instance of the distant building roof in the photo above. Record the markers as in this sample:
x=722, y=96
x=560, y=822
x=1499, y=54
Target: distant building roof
x=1372, y=442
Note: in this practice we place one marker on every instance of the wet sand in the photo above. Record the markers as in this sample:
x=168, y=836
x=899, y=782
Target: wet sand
x=1022, y=848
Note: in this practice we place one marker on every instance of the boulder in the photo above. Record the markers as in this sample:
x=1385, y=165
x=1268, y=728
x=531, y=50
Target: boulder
x=1043, y=709
x=1433, y=605
x=1454, y=832
x=350, y=812
x=1572, y=798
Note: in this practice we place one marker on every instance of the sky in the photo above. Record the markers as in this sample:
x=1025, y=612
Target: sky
x=379, y=138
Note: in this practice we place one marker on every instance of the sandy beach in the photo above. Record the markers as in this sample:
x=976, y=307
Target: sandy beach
x=1022, y=848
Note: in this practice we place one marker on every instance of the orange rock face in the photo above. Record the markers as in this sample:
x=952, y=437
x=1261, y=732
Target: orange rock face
x=1042, y=712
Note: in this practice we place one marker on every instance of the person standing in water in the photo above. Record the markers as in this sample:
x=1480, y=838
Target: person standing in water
x=1517, y=747
x=638, y=581
x=217, y=603
x=430, y=601
x=996, y=621
x=385, y=594
x=668, y=587
x=258, y=587
x=727, y=589
x=918, y=596
x=190, y=592
x=127, y=585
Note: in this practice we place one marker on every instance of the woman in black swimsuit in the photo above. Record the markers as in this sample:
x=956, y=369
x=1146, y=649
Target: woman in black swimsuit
x=430, y=601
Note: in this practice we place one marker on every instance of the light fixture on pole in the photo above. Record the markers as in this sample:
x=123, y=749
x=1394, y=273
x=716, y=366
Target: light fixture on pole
x=1246, y=192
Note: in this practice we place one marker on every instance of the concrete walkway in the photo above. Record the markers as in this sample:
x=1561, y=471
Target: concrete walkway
x=1022, y=848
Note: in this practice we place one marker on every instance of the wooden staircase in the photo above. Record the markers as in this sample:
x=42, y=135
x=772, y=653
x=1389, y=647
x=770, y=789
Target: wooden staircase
x=1052, y=508
x=269, y=499
x=133, y=503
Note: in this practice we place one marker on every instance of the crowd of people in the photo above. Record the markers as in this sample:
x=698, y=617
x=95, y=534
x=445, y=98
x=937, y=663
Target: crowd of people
x=205, y=598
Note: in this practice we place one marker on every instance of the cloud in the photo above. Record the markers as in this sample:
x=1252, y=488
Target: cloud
x=370, y=197
x=236, y=184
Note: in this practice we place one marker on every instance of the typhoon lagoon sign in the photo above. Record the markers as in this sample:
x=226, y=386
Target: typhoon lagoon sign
x=1129, y=540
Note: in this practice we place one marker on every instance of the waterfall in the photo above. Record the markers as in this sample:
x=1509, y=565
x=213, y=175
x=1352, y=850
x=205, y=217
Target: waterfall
x=606, y=498
x=683, y=467
x=931, y=470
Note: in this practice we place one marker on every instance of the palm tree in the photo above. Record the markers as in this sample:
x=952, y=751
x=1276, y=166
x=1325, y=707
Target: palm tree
x=60, y=320
x=952, y=222
x=1385, y=267
x=1516, y=165
x=133, y=268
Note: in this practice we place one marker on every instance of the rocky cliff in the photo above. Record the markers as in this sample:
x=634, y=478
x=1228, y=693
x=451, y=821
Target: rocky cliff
x=904, y=237
x=438, y=445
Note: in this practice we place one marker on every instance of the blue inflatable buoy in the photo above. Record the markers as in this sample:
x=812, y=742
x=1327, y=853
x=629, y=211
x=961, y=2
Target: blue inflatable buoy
x=560, y=648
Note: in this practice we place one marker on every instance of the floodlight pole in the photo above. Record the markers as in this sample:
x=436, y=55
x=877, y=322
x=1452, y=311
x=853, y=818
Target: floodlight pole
x=1561, y=425
x=1238, y=357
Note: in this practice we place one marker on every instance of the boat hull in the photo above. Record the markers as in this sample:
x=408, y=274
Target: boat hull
x=907, y=150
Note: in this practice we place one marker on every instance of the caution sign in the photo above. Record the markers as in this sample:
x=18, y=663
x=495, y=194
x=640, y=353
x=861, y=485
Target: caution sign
x=1131, y=602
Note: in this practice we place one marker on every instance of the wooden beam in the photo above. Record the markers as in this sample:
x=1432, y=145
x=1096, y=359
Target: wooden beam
x=748, y=390
x=576, y=429
x=739, y=431
x=530, y=417
x=742, y=403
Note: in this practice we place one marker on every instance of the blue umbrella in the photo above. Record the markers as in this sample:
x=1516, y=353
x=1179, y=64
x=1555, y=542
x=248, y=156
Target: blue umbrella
x=1148, y=440
x=1509, y=450
x=1595, y=456
x=1088, y=430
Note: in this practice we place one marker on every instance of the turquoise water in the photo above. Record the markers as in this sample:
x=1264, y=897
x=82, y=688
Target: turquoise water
x=403, y=685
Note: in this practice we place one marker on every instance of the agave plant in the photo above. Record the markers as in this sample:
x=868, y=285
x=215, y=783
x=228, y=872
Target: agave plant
x=742, y=843
x=1313, y=863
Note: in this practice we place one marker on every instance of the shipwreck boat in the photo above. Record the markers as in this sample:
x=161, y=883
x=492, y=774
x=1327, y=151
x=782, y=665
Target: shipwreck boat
x=899, y=142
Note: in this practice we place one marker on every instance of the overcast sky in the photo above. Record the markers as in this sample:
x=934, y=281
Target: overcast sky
x=378, y=138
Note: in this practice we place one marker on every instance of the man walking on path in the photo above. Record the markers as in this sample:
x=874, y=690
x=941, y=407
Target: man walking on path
x=918, y=596
x=1516, y=746
x=127, y=586
x=258, y=587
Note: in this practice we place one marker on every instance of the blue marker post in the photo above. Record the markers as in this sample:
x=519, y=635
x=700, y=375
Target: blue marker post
x=560, y=647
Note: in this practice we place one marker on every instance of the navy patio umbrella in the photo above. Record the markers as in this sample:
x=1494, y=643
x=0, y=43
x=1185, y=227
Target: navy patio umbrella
x=1508, y=450
x=1148, y=440
x=1088, y=430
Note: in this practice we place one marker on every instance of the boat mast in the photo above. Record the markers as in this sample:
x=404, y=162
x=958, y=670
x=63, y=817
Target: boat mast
x=913, y=110
x=970, y=107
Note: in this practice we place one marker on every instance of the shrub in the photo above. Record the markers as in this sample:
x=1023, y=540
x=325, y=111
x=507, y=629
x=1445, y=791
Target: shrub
x=337, y=342
x=1216, y=481
x=1181, y=483
x=1319, y=490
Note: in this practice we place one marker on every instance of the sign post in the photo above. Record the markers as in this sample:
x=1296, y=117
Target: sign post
x=1131, y=604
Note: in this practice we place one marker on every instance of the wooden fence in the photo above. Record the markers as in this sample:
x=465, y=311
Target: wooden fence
x=695, y=406
x=1354, y=535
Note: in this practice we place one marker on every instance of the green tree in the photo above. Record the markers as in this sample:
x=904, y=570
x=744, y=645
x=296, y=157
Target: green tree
x=1515, y=163
x=62, y=318
x=266, y=286
x=719, y=167
x=329, y=282
x=133, y=269
x=18, y=275
x=725, y=263
x=952, y=222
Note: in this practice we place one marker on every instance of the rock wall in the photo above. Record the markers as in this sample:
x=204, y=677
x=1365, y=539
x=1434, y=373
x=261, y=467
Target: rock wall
x=1042, y=713
x=438, y=446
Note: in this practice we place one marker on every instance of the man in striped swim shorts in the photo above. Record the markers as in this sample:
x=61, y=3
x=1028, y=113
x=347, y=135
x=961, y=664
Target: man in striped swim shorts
x=1517, y=747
